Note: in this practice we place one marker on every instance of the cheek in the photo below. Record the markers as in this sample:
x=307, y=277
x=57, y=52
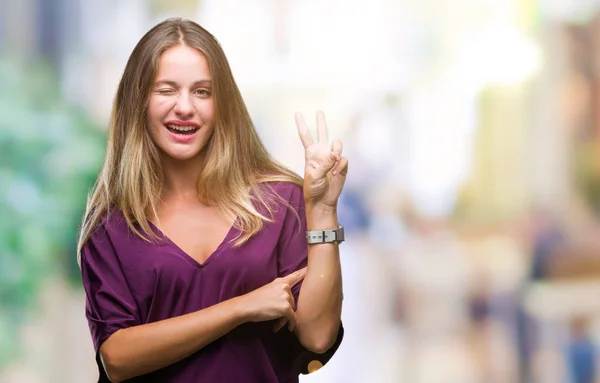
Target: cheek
x=154, y=119
x=158, y=108
x=206, y=109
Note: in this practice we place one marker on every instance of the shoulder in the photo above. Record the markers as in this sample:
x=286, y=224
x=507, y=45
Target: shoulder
x=284, y=189
x=112, y=222
x=111, y=226
x=284, y=194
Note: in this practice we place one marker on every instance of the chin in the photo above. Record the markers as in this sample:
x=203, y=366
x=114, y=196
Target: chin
x=182, y=155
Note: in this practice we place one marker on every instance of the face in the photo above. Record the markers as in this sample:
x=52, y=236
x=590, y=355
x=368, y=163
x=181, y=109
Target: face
x=181, y=110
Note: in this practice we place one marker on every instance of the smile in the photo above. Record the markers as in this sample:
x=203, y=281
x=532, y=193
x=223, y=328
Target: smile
x=184, y=130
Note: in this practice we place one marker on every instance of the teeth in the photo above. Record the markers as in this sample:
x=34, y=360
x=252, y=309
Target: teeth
x=182, y=128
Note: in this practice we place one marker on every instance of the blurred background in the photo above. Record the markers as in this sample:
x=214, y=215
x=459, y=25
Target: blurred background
x=473, y=200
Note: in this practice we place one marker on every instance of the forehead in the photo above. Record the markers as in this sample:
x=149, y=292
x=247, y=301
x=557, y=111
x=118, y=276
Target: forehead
x=182, y=63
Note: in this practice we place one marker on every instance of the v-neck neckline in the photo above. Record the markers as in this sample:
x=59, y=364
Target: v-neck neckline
x=224, y=242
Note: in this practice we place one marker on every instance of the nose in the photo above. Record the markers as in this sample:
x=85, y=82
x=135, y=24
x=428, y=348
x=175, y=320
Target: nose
x=184, y=106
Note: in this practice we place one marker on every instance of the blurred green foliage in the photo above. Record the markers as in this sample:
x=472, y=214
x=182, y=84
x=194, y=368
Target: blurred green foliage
x=50, y=153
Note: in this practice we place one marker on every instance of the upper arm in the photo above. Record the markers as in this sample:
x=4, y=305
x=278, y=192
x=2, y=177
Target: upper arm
x=292, y=245
x=110, y=305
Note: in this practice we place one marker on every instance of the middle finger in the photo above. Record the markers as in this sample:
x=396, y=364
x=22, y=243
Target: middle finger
x=322, y=134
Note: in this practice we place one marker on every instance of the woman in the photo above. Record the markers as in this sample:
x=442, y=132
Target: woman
x=193, y=247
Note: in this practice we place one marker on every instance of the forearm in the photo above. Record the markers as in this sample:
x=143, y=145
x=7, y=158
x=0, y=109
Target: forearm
x=142, y=349
x=320, y=302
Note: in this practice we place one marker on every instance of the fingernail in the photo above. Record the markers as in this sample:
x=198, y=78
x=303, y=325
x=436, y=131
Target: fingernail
x=334, y=172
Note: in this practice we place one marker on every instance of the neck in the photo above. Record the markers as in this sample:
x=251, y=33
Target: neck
x=181, y=178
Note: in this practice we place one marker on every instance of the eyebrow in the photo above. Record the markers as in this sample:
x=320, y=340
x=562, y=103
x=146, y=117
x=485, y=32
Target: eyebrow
x=175, y=84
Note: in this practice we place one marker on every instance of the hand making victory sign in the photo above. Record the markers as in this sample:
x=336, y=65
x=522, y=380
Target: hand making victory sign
x=325, y=169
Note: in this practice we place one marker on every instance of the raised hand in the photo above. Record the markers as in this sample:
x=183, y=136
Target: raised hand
x=275, y=301
x=325, y=169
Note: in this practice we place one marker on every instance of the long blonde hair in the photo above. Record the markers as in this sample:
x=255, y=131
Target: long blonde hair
x=131, y=177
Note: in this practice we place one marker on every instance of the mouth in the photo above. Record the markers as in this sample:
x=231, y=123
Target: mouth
x=184, y=130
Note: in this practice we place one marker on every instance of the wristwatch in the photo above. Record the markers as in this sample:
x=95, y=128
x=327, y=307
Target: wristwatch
x=325, y=236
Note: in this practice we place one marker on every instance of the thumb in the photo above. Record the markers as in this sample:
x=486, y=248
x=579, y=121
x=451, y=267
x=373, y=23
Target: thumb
x=333, y=157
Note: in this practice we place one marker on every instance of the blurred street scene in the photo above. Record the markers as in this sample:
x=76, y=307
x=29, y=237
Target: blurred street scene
x=472, y=207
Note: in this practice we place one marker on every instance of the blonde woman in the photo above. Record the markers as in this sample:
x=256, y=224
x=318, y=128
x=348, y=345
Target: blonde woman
x=203, y=259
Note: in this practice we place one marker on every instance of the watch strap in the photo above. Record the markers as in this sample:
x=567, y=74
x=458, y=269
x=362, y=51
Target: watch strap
x=325, y=236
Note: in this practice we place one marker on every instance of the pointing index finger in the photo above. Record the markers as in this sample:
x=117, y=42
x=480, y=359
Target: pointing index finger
x=295, y=277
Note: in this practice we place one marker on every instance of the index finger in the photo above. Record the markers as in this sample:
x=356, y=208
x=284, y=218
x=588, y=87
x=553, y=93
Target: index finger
x=303, y=131
x=295, y=277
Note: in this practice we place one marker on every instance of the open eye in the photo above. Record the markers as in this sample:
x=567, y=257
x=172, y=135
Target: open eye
x=204, y=93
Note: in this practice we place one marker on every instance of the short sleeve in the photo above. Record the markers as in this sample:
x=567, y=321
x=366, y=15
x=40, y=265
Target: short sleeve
x=110, y=305
x=292, y=256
